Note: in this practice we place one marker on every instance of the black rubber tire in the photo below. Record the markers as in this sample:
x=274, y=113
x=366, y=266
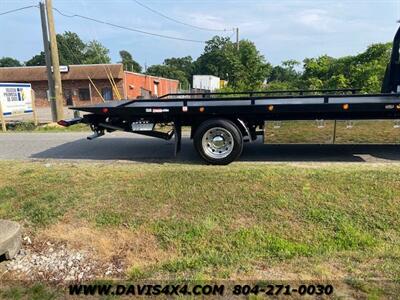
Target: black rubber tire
x=226, y=124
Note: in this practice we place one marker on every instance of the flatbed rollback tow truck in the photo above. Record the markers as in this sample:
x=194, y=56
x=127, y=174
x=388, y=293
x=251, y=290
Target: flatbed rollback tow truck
x=221, y=122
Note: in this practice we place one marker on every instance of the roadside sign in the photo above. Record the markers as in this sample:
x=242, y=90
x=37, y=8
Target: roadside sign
x=63, y=69
x=16, y=99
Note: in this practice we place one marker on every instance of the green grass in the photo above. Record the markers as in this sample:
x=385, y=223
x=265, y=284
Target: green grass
x=34, y=292
x=362, y=132
x=43, y=128
x=223, y=222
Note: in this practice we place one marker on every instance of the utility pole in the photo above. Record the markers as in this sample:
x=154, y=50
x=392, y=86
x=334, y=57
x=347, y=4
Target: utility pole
x=55, y=61
x=237, y=38
x=46, y=47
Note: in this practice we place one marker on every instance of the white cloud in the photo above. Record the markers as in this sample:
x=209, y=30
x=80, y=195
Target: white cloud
x=316, y=19
x=281, y=29
x=206, y=20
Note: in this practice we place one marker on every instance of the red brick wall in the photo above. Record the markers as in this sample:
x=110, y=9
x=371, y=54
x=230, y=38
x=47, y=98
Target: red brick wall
x=73, y=87
x=134, y=82
x=129, y=88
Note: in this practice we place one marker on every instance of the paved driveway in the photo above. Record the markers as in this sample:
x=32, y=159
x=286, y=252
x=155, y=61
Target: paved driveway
x=135, y=148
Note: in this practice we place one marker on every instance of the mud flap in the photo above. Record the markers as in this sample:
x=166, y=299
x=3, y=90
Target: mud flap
x=178, y=137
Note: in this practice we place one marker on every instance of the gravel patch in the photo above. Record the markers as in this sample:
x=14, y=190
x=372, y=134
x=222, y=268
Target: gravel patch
x=58, y=263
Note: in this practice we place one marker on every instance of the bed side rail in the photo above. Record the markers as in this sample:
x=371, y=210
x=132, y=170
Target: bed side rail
x=259, y=93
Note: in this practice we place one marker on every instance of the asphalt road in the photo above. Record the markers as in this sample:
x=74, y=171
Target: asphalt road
x=130, y=147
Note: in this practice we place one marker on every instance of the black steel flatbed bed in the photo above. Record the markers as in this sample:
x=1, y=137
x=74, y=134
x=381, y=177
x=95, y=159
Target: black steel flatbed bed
x=257, y=108
x=221, y=122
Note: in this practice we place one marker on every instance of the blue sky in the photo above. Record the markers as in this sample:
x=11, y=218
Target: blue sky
x=285, y=29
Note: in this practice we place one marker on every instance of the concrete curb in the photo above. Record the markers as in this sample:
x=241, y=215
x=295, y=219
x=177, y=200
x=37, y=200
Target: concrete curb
x=10, y=238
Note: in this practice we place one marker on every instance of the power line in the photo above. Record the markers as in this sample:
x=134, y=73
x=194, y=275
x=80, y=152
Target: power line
x=127, y=28
x=175, y=20
x=17, y=9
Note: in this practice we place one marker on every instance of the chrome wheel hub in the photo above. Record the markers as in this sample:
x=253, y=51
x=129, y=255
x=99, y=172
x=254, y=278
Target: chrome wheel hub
x=217, y=143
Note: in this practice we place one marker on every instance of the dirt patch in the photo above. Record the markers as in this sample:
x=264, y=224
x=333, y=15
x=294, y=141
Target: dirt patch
x=243, y=221
x=122, y=247
x=78, y=252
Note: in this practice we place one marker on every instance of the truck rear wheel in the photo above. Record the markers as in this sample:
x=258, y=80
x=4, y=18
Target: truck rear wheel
x=218, y=141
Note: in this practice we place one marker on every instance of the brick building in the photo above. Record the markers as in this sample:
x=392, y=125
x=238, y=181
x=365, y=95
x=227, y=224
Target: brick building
x=78, y=90
x=147, y=86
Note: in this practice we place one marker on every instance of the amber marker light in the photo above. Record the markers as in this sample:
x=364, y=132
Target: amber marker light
x=345, y=106
x=202, y=109
x=270, y=107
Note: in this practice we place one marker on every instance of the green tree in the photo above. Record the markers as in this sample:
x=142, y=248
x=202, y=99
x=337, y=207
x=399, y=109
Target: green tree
x=254, y=68
x=314, y=83
x=71, y=48
x=243, y=69
x=169, y=72
x=181, y=63
x=214, y=59
x=365, y=70
x=320, y=67
x=96, y=53
x=73, y=51
x=9, y=62
x=368, y=68
x=286, y=72
x=179, y=68
x=129, y=63
x=184, y=64
x=337, y=82
x=280, y=86
x=37, y=60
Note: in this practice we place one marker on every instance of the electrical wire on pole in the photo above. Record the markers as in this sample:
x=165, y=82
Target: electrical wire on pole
x=18, y=9
x=129, y=28
x=177, y=21
x=125, y=27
